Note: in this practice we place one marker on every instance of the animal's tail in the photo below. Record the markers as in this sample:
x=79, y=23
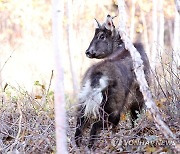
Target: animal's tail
x=91, y=95
x=147, y=68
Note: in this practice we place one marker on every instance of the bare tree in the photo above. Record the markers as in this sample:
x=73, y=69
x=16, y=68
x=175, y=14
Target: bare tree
x=154, y=29
x=60, y=114
x=145, y=31
x=0, y=77
x=161, y=29
x=176, y=53
x=158, y=33
x=71, y=45
x=177, y=3
x=138, y=69
x=132, y=19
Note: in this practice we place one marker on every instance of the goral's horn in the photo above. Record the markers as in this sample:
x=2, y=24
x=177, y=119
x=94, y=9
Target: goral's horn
x=99, y=25
x=114, y=17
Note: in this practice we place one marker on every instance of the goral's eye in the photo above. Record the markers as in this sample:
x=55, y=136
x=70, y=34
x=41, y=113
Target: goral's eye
x=101, y=36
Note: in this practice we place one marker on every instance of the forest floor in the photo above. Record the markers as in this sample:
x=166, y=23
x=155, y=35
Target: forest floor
x=143, y=138
x=27, y=124
x=24, y=129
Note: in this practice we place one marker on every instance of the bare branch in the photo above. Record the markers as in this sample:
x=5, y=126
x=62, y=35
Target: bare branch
x=19, y=127
x=7, y=60
x=52, y=73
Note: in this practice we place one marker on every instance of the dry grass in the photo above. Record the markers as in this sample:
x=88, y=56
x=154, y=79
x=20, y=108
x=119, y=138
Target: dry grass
x=143, y=138
x=25, y=125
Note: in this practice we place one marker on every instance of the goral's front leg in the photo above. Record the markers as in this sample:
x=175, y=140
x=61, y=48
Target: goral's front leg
x=79, y=130
x=82, y=123
x=96, y=127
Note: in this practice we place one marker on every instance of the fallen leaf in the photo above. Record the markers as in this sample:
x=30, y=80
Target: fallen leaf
x=38, y=97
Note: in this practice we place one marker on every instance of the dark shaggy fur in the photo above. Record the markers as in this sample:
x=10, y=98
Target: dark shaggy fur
x=110, y=81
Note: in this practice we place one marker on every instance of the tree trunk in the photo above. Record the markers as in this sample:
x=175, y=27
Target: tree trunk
x=71, y=45
x=177, y=3
x=60, y=114
x=170, y=27
x=122, y=15
x=145, y=31
x=154, y=29
x=132, y=19
x=138, y=69
x=176, y=47
x=0, y=77
x=161, y=30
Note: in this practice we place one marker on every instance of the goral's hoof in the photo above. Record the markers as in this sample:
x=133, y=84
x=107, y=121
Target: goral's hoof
x=78, y=137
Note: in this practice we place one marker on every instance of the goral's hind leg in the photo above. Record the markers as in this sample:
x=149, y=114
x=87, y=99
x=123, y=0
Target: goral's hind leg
x=114, y=119
x=136, y=106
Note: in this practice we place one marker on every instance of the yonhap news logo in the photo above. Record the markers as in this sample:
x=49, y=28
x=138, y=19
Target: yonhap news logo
x=118, y=142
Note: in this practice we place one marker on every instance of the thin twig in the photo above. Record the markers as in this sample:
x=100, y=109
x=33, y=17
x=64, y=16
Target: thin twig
x=52, y=73
x=7, y=60
x=19, y=126
x=7, y=134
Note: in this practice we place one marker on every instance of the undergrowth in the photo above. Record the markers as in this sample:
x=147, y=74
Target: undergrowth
x=27, y=121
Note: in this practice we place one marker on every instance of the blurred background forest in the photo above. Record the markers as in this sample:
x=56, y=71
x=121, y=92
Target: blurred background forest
x=27, y=60
x=26, y=36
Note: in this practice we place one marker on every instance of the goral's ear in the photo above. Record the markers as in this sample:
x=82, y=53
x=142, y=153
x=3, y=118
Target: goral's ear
x=109, y=23
x=97, y=24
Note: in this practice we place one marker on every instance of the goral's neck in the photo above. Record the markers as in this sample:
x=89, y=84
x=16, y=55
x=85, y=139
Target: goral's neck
x=119, y=53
